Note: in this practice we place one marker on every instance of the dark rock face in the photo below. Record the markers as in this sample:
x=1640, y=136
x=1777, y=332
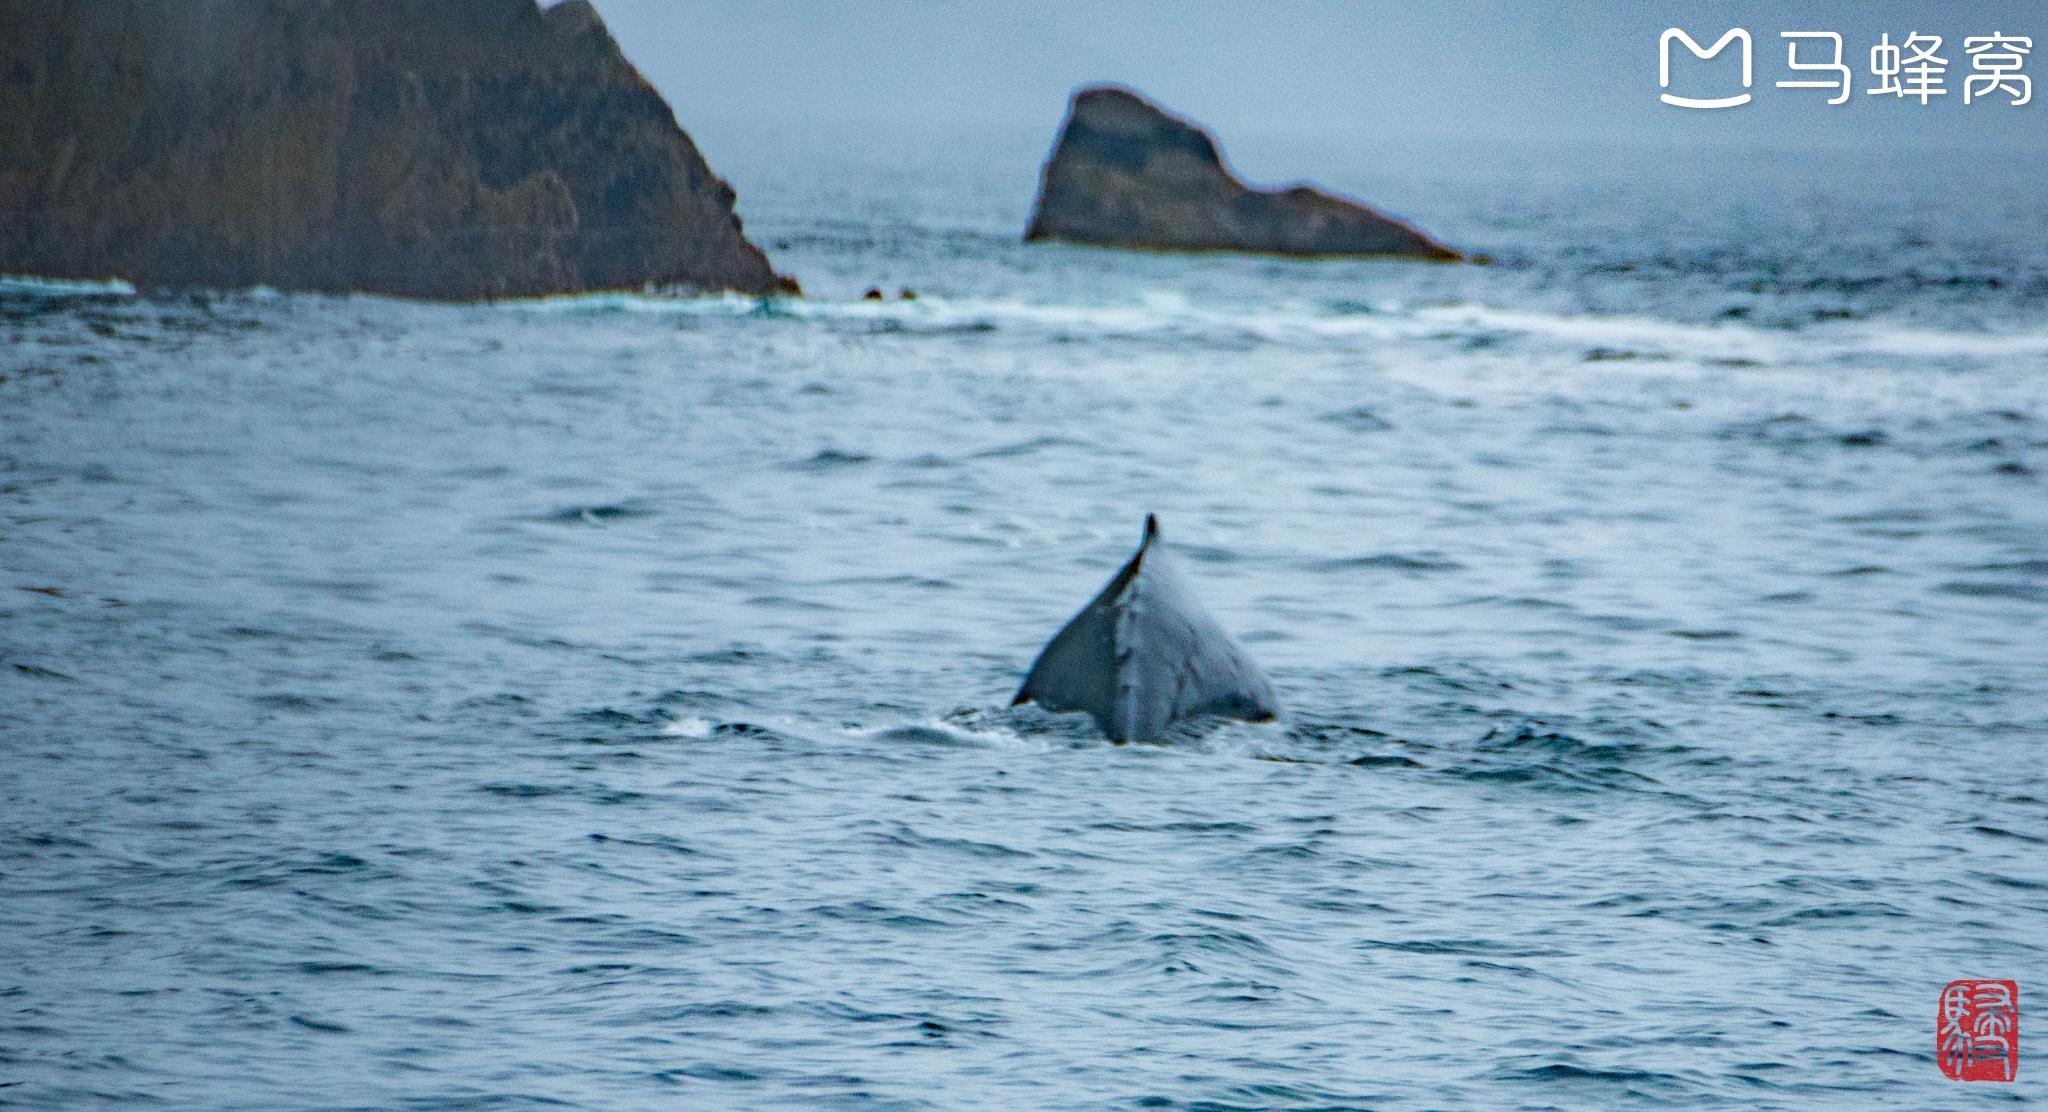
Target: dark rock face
x=1126, y=174
x=453, y=149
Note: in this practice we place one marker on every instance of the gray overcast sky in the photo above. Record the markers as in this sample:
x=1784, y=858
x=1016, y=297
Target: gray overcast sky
x=740, y=74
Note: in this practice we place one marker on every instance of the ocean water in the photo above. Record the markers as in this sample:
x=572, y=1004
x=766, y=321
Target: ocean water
x=602, y=702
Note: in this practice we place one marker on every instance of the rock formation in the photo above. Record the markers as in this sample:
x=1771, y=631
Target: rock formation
x=1126, y=174
x=453, y=149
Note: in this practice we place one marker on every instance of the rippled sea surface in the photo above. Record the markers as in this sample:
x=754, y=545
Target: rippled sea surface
x=602, y=702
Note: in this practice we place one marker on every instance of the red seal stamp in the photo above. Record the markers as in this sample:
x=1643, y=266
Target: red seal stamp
x=1977, y=1030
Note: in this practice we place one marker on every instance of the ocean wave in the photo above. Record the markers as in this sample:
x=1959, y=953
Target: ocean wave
x=1168, y=314
x=64, y=287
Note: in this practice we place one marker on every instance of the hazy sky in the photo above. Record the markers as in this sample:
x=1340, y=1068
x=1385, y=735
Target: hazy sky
x=741, y=74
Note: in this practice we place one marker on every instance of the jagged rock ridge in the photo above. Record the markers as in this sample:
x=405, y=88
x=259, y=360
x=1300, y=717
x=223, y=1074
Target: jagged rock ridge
x=1126, y=174
x=452, y=149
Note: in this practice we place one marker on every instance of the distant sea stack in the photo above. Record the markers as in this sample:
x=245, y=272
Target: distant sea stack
x=449, y=149
x=1126, y=174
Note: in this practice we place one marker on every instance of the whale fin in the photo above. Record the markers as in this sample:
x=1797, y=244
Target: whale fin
x=1077, y=668
x=1143, y=655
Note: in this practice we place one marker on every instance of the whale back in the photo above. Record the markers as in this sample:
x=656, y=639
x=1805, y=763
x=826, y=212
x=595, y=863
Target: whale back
x=1143, y=654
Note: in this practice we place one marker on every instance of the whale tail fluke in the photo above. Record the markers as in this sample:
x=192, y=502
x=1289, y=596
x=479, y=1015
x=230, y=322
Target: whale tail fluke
x=1143, y=655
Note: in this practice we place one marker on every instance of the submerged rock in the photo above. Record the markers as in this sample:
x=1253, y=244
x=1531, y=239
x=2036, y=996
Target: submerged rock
x=425, y=148
x=1126, y=174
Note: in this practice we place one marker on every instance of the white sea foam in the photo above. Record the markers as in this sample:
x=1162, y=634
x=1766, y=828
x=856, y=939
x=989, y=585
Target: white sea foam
x=64, y=287
x=688, y=727
x=1168, y=313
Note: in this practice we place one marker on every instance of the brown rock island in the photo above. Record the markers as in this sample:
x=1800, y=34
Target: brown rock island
x=449, y=149
x=1127, y=174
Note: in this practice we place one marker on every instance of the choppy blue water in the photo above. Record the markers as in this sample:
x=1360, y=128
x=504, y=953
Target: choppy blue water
x=601, y=702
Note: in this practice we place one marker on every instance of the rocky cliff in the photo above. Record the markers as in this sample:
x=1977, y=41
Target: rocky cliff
x=426, y=148
x=1126, y=174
